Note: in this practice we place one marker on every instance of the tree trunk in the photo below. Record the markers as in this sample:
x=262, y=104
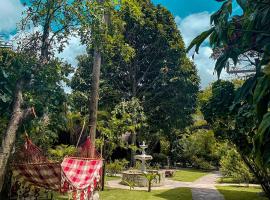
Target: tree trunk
x=10, y=135
x=149, y=186
x=94, y=94
x=93, y=107
x=261, y=175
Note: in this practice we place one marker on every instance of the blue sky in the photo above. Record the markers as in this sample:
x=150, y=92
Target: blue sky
x=183, y=8
x=191, y=16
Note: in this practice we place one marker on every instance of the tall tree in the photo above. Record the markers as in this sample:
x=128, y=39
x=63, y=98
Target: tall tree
x=148, y=62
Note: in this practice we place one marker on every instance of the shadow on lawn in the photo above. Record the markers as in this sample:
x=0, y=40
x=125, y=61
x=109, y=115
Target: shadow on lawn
x=243, y=193
x=176, y=194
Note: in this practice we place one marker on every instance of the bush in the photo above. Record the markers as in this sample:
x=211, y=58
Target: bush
x=159, y=159
x=199, y=149
x=61, y=151
x=200, y=163
x=232, y=166
x=116, y=167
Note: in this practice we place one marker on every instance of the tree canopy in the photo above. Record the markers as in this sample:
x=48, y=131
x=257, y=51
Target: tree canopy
x=136, y=66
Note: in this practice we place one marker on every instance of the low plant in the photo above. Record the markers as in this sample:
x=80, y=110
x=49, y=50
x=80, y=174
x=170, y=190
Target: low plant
x=151, y=176
x=131, y=184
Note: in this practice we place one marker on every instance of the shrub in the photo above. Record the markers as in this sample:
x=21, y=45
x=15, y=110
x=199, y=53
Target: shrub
x=200, y=163
x=61, y=151
x=116, y=167
x=232, y=166
x=159, y=159
x=199, y=149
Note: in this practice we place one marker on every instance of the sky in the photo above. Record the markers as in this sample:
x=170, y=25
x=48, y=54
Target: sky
x=191, y=16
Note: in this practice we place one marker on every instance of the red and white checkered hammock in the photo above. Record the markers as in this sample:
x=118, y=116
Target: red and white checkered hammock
x=80, y=174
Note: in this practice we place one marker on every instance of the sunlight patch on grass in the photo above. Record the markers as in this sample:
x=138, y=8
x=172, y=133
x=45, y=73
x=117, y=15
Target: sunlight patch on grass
x=188, y=175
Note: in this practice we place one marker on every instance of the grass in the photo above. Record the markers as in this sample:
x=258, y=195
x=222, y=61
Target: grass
x=241, y=193
x=174, y=194
x=188, y=175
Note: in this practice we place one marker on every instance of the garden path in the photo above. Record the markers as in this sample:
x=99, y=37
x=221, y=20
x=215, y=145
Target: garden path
x=204, y=188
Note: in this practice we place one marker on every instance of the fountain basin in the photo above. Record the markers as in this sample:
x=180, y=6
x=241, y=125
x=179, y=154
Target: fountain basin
x=139, y=180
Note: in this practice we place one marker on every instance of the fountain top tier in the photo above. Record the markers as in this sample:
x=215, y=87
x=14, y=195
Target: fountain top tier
x=143, y=147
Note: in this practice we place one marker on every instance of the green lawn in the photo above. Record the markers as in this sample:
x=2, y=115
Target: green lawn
x=241, y=193
x=174, y=194
x=188, y=175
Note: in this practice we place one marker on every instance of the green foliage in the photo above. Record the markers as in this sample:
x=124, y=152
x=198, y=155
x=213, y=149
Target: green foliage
x=59, y=152
x=128, y=116
x=116, y=167
x=217, y=110
x=217, y=107
x=237, y=36
x=130, y=184
x=232, y=165
x=199, y=149
x=159, y=159
x=44, y=93
x=136, y=67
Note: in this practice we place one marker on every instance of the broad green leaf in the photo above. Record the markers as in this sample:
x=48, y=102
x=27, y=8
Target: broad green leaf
x=264, y=125
x=221, y=63
x=199, y=40
x=246, y=89
x=261, y=88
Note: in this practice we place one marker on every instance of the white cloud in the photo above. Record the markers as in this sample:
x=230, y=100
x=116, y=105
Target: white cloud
x=10, y=15
x=190, y=27
x=73, y=49
x=205, y=66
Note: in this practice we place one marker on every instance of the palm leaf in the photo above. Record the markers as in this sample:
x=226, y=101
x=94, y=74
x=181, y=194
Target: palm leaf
x=199, y=40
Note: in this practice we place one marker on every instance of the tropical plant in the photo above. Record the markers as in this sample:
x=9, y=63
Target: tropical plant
x=130, y=184
x=150, y=177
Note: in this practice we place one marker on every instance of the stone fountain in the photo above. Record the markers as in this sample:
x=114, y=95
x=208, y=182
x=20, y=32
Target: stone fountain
x=136, y=176
x=143, y=157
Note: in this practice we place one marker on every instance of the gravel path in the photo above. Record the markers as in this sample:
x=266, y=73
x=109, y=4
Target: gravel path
x=204, y=188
